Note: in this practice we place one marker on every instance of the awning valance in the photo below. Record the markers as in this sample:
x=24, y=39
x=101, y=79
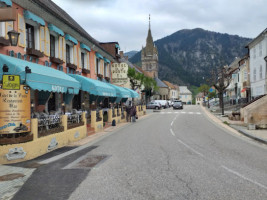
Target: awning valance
x=117, y=46
x=98, y=55
x=120, y=91
x=70, y=38
x=7, y=2
x=134, y=94
x=106, y=60
x=83, y=46
x=55, y=29
x=41, y=78
x=33, y=17
x=94, y=87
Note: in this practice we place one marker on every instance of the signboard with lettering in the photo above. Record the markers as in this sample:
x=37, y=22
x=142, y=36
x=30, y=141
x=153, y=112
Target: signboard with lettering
x=119, y=73
x=15, y=113
x=11, y=82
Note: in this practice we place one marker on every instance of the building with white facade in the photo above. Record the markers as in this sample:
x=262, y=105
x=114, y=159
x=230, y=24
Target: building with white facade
x=258, y=52
x=185, y=95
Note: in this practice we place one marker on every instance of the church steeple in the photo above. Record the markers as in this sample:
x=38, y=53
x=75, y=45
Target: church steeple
x=149, y=41
x=149, y=55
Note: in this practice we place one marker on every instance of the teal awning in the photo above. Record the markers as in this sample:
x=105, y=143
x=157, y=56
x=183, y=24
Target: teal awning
x=55, y=29
x=98, y=55
x=134, y=94
x=106, y=60
x=41, y=78
x=117, y=46
x=33, y=17
x=7, y=2
x=83, y=46
x=95, y=87
x=120, y=91
x=70, y=38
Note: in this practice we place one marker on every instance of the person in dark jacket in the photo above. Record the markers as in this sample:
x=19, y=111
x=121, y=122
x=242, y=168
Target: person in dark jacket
x=128, y=116
x=133, y=113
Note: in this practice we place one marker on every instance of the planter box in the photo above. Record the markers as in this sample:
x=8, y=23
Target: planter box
x=72, y=66
x=86, y=71
x=251, y=126
x=56, y=60
x=35, y=53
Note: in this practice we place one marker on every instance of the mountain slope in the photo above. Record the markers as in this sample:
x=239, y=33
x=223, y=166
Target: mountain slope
x=130, y=53
x=187, y=56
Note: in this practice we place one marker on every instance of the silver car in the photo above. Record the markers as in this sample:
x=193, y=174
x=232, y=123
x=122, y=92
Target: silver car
x=153, y=105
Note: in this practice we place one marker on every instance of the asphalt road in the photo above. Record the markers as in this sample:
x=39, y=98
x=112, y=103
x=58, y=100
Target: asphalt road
x=170, y=154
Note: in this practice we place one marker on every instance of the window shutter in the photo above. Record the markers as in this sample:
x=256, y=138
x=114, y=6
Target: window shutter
x=75, y=55
x=95, y=63
x=63, y=49
x=9, y=27
x=47, y=42
x=21, y=30
x=42, y=39
x=88, y=61
x=60, y=42
x=79, y=57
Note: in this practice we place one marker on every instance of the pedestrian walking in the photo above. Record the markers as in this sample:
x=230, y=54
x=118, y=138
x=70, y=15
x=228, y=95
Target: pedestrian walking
x=128, y=115
x=133, y=113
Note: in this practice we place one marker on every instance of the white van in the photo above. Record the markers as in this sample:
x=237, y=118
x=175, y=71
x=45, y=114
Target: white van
x=163, y=103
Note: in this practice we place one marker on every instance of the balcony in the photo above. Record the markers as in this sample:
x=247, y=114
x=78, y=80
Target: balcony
x=7, y=14
x=107, y=79
x=34, y=52
x=100, y=76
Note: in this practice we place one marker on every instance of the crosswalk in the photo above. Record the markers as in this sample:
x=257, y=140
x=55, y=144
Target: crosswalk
x=190, y=113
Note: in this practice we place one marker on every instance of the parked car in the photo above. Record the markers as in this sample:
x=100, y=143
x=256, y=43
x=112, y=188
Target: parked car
x=177, y=105
x=164, y=103
x=153, y=105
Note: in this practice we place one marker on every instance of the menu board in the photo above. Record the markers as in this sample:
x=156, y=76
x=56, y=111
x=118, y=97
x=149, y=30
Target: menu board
x=15, y=113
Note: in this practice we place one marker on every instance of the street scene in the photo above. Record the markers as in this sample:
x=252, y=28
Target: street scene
x=99, y=102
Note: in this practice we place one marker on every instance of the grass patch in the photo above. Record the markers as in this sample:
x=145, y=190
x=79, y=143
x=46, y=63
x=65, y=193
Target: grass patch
x=225, y=122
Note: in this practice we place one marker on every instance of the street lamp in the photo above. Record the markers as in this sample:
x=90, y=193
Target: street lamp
x=13, y=37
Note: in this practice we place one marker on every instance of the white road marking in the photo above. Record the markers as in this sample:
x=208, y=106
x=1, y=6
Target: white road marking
x=183, y=112
x=172, y=132
x=190, y=113
x=243, y=177
x=186, y=145
x=172, y=123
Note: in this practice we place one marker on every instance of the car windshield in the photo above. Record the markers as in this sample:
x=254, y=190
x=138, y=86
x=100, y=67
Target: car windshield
x=177, y=103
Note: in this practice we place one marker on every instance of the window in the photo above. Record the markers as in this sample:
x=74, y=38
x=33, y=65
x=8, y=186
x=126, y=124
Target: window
x=260, y=49
x=82, y=59
x=67, y=53
x=30, y=36
x=97, y=66
x=254, y=75
x=254, y=52
x=52, y=46
x=245, y=75
x=261, y=72
x=105, y=69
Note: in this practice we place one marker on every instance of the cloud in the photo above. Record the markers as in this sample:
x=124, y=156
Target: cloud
x=126, y=21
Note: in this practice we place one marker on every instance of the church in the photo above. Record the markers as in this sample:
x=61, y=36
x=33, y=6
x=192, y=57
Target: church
x=149, y=59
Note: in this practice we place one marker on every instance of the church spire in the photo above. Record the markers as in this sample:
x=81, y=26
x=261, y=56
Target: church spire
x=149, y=41
x=149, y=21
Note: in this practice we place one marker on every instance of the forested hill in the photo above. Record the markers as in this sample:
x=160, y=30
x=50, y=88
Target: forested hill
x=186, y=56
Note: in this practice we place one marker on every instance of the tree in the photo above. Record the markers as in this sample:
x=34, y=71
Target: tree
x=221, y=80
x=204, y=88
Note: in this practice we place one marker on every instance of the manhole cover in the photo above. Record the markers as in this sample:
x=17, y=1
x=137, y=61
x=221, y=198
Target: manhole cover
x=90, y=161
x=10, y=177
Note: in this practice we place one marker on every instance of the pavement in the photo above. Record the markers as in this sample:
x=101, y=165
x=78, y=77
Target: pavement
x=13, y=177
x=259, y=135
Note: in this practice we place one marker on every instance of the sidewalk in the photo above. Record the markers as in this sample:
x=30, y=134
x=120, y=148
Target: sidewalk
x=12, y=178
x=259, y=135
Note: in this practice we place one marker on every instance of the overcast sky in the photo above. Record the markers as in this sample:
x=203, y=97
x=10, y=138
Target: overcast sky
x=126, y=21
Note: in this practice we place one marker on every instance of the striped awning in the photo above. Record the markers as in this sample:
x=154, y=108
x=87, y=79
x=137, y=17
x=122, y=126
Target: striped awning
x=98, y=55
x=83, y=46
x=7, y=2
x=106, y=60
x=70, y=38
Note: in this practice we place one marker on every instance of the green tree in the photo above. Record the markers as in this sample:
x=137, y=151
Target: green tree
x=204, y=88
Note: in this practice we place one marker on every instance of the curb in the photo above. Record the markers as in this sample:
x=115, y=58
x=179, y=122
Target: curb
x=252, y=136
x=261, y=140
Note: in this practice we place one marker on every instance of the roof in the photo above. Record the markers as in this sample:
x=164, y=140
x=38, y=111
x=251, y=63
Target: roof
x=256, y=38
x=169, y=85
x=184, y=90
x=160, y=83
x=200, y=95
x=59, y=13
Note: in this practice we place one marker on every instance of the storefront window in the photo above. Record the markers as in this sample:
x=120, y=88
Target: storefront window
x=30, y=36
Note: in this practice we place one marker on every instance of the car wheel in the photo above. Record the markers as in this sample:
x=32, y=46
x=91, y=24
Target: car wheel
x=156, y=108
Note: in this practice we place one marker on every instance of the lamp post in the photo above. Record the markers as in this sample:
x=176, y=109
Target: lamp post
x=13, y=37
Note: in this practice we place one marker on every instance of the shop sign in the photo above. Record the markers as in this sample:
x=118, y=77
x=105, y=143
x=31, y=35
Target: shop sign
x=11, y=82
x=15, y=114
x=56, y=88
x=119, y=73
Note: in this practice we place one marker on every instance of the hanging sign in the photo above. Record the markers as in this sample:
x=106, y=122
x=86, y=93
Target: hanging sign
x=119, y=73
x=11, y=82
x=15, y=114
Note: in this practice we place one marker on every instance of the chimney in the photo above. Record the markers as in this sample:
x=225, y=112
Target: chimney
x=121, y=54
